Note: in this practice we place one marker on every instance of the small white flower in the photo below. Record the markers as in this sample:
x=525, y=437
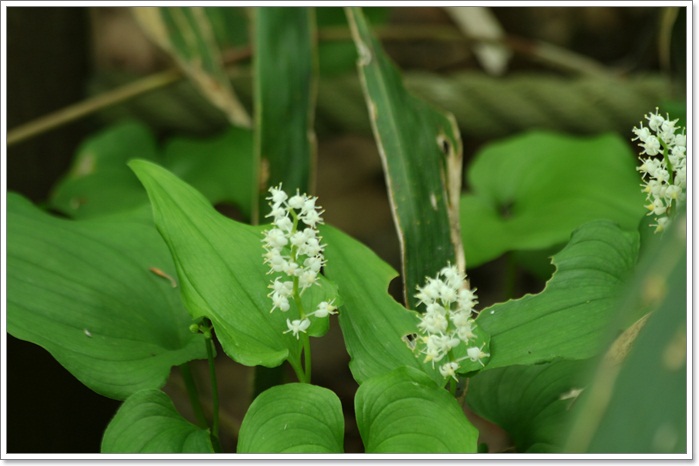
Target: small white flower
x=433, y=322
x=313, y=263
x=467, y=298
x=292, y=269
x=279, y=302
x=651, y=146
x=282, y=288
x=449, y=370
x=655, y=121
x=297, y=201
x=324, y=309
x=284, y=224
x=476, y=354
x=311, y=218
x=307, y=278
x=275, y=238
x=277, y=195
x=641, y=133
x=311, y=247
x=297, y=326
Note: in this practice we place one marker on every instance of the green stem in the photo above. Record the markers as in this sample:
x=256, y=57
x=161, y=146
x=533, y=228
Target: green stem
x=305, y=341
x=214, y=391
x=298, y=370
x=193, y=393
x=668, y=164
x=307, y=357
x=452, y=386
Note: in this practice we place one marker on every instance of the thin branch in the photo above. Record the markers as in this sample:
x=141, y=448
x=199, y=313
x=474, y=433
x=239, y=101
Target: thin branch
x=115, y=96
x=93, y=104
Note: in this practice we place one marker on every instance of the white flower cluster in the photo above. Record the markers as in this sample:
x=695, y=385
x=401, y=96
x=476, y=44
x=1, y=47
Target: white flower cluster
x=447, y=321
x=665, y=179
x=295, y=254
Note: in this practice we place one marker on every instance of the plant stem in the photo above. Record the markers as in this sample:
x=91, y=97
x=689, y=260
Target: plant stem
x=298, y=370
x=307, y=357
x=452, y=386
x=193, y=393
x=214, y=391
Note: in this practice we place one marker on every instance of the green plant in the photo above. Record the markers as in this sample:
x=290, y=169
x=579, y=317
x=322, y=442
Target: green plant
x=140, y=280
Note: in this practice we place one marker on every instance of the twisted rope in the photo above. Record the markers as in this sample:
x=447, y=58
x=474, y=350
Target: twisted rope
x=487, y=107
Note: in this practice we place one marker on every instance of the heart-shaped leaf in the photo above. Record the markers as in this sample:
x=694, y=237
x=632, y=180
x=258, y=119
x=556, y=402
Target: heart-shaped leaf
x=220, y=167
x=220, y=264
x=647, y=383
x=405, y=412
x=532, y=403
x=100, y=183
x=89, y=292
x=293, y=418
x=147, y=422
x=569, y=319
x=531, y=191
x=373, y=324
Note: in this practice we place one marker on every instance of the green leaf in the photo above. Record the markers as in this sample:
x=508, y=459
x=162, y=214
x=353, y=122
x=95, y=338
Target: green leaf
x=98, y=181
x=531, y=191
x=337, y=56
x=147, y=422
x=186, y=33
x=569, y=318
x=284, y=70
x=293, y=418
x=532, y=403
x=405, y=412
x=221, y=168
x=84, y=291
x=220, y=265
x=373, y=323
x=421, y=151
x=649, y=385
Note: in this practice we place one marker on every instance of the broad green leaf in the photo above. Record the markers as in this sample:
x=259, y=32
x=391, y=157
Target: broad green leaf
x=421, y=152
x=531, y=403
x=569, y=318
x=405, y=412
x=87, y=293
x=293, y=418
x=99, y=182
x=284, y=70
x=373, y=323
x=148, y=422
x=221, y=167
x=186, y=33
x=220, y=265
x=638, y=404
x=531, y=191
